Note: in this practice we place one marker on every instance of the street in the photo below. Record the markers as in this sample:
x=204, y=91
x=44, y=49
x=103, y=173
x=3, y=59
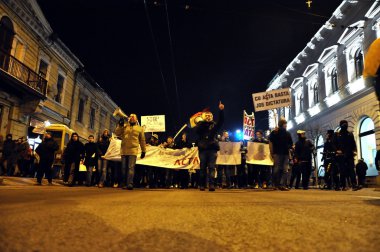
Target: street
x=57, y=218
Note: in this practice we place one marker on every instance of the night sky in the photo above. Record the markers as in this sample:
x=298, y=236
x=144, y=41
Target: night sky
x=221, y=50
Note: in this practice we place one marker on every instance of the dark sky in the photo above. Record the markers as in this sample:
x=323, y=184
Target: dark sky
x=221, y=50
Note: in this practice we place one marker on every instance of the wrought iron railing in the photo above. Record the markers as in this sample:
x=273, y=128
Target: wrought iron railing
x=20, y=71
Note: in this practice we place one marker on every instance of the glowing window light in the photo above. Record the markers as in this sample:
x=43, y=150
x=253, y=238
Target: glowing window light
x=314, y=110
x=332, y=99
x=289, y=126
x=356, y=85
x=300, y=119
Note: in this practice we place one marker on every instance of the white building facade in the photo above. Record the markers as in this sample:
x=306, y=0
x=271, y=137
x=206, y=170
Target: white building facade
x=326, y=81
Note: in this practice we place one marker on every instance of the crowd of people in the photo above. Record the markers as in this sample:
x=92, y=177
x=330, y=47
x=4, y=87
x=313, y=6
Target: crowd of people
x=83, y=164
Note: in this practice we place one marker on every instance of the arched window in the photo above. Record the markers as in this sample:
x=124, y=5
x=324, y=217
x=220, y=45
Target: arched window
x=300, y=102
x=358, y=63
x=315, y=93
x=368, y=145
x=6, y=39
x=334, y=80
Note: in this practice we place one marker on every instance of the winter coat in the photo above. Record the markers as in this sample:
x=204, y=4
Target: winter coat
x=9, y=149
x=74, y=152
x=46, y=150
x=91, y=154
x=361, y=168
x=207, y=132
x=131, y=137
x=303, y=150
x=103, y=145
x=281, y=141
x=344, y=141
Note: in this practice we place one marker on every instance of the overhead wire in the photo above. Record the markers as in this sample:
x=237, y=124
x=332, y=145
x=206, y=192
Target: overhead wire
x=173, y=61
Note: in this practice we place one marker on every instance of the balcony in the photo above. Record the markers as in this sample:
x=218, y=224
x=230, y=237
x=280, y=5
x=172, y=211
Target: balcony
x=19, y=79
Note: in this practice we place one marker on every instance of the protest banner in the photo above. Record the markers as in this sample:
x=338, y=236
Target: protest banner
x=258, y=154
x=248, y=126
x=154, y=123
x=186, y=158
x=271, y=99
x=229, y=153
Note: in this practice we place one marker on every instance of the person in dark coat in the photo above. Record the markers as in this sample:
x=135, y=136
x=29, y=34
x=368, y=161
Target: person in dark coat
x=303, y=153
x=345, y=145
x=328, y=158
x=361, y=171
x=9, y=155
x=208, y=146
x=45, y=151
x=91, y=158
x=73, y=156
x=280, y=143
x=183, y=174
x=103, y=145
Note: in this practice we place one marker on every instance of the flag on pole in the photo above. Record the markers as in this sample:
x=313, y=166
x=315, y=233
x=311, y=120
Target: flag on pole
x=248, y=126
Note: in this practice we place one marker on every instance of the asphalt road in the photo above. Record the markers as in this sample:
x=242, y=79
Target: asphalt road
x=57, y=218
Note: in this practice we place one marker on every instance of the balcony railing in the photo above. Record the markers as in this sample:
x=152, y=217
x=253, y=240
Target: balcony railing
x=23, y=73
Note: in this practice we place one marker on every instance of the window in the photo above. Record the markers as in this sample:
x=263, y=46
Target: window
x=80, y=110
x=6, y=39
x=334, y=80
x=315, y=93
x=92, y=118
x=300, y=99
x=358, y=60
x=43, y=68
x=60, y=81
x=368, y=145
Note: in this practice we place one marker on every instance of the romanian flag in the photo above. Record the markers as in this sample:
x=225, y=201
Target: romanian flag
x=194, y=119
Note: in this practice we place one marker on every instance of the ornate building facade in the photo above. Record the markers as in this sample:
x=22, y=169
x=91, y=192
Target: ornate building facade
x=326, y=81
x=41, y=80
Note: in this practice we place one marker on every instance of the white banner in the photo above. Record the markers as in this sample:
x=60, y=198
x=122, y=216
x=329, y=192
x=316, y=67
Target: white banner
x=272, y=99
x=229, y=153
x=258, y=153
x=248, y=126
x=154, y=123
x=186, y=158
x=158, y=156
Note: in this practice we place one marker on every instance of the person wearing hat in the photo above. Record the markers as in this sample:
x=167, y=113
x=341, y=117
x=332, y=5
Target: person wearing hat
x=328, y=158
x=345, y=146
x=303, y=154
x=280, y=143
x=45, y=151
x=132, y=135
x=207, y=130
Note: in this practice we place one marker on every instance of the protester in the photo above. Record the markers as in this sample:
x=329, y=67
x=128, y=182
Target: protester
x=258, y=174
x=132, y=135
x=331, y=169
x=303, y=153
x=91, y=157
x=183, y=174
x=296, y=170
x=225, y=169
x=361, y=170
x=208, y=146
x=46, y=150
x=103, y=144
x=280, y=142
x=73, y=157
x=23, y=156
x=169, y=175
x=9, y=155
x=346, y=150
x=153, y=172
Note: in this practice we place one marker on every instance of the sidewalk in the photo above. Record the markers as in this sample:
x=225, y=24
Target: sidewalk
x=21, y=181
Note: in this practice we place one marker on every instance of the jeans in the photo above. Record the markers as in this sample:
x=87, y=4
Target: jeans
x=127, y=173
x=102, y=170
x=207, y=163
x=89, y=174
x=281, y=162
x=44, y=168
x=227, y=173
